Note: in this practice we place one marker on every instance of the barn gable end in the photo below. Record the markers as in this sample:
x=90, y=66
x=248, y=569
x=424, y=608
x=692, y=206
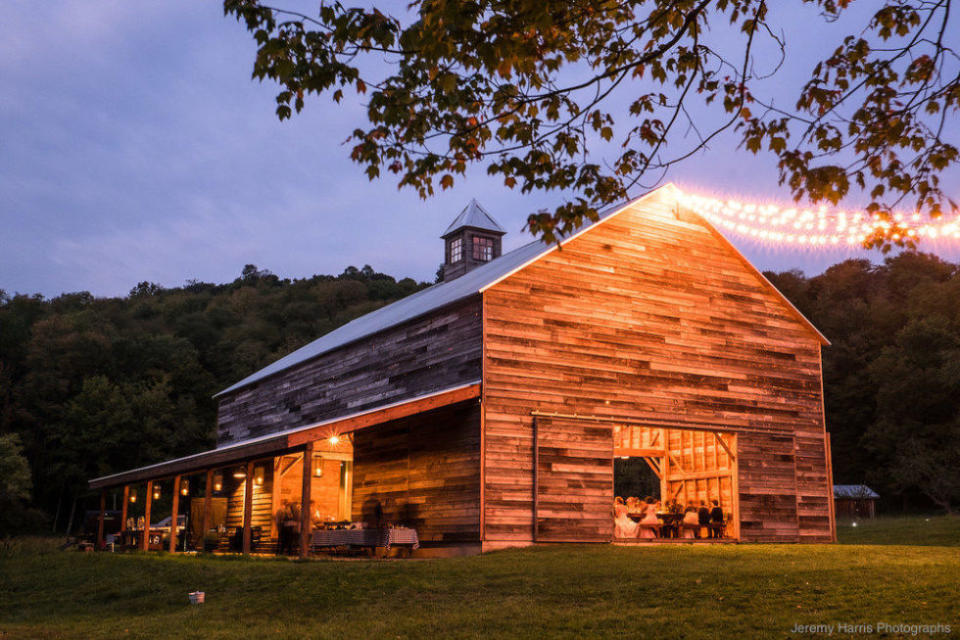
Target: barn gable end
x=649, y=314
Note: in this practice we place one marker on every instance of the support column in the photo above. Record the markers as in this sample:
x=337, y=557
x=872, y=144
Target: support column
x=174, y=513
x=307, y=485
x=103, y=507
x=148, y=501
x=207, y=499
x=123, y=510
x=247, y=508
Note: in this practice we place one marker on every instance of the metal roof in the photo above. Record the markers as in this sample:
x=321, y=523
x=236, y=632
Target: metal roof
x=858, y=491
x=474, y=216
x=417, y=304
x=469, y=284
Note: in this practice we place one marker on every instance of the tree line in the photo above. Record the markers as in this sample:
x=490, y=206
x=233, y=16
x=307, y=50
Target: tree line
x=90, y=386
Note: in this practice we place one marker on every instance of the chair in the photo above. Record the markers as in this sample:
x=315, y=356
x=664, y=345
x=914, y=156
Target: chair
x=647, y=525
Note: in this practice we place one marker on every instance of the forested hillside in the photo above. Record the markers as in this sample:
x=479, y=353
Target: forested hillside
x=94, y=385
x=892, y=375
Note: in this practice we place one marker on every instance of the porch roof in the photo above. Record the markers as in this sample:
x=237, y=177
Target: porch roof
x=290, y=440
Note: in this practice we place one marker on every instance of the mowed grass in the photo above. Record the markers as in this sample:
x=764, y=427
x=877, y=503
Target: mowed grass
x=724, y=591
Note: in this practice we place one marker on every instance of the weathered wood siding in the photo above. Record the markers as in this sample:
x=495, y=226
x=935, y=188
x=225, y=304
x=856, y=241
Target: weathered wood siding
x=262, y=500
x=428, y=354
x=424, y=471
x=649, y=315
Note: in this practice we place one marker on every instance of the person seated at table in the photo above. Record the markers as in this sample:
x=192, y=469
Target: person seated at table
x=691, y=521
x=623, y=526
x=716, y=520
x=650, y=523
x=675, y=507
x=703, y=514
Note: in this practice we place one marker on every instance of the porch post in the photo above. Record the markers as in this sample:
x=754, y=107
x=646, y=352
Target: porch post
x=174, y=514
x=123, y=509
x=247, y=507
x=103, y=507
x=207, y=497
x=305, y=519
x=145, y=542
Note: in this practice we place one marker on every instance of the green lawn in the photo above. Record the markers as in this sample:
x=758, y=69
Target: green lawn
x=728, y=591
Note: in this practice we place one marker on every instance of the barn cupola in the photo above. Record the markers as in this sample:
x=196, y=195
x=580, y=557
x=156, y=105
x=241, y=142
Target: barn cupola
x=472, y=239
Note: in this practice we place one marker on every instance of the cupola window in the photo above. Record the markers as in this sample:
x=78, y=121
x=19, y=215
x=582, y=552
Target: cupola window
x=456, y=250
x=482, y=249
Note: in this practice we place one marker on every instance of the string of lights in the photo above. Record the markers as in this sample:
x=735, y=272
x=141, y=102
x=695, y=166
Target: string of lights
x=820, y=227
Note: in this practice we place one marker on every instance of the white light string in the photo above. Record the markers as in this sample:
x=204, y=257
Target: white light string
x=818, y=227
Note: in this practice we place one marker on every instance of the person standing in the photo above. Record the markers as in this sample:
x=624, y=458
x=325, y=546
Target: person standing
x=716, y=520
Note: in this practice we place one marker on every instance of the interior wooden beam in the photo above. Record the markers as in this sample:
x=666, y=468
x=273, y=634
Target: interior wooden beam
x=674, y=460
x=634, y=452
x=716, y=434
x=654, y=467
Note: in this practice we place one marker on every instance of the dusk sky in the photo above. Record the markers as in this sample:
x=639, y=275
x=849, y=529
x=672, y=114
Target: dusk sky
x=134, y=146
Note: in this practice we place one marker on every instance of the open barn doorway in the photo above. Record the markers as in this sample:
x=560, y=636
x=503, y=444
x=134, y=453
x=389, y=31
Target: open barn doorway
x=674, y=484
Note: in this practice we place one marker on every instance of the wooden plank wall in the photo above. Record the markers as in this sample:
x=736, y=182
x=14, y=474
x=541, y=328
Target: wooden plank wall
x=649, y=315
x=575, y=481
x=424, y=471
x=813, y=487
x=428, y=354
x=262, y=500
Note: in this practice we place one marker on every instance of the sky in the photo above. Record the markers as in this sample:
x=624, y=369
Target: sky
x=134, y=146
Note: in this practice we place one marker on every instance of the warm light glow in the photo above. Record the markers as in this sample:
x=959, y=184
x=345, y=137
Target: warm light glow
x=184, y=487
x=258, y=475
x=318, y=466
x=334, y=440
x=824, y=228
x=156, y=492
x=240, y=473
x=218, y=482
x=133, y=495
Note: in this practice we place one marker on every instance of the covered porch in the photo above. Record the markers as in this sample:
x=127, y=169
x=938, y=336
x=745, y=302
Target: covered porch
x=265, y=495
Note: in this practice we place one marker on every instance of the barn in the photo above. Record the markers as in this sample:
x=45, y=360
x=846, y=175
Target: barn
x=488, y=410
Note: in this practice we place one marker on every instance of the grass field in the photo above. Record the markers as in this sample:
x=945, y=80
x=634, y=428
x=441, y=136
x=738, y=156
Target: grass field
x=898, y=571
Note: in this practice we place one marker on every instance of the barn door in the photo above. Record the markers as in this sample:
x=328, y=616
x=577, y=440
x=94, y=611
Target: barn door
x=573, y=481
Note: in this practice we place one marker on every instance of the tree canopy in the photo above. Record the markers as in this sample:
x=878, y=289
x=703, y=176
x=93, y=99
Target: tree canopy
x=91, y=386
x=592, y=98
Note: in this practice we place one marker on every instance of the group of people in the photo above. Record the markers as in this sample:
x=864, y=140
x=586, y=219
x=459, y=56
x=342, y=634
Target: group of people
x=652, y=520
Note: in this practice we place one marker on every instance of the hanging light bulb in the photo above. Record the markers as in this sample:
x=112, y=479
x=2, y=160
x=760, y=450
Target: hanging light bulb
x=156, y=492
x=258, y=475
x=240, y=473
x=218, y=481
x=133, y=495
x=184, y=487
x=831, y=227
